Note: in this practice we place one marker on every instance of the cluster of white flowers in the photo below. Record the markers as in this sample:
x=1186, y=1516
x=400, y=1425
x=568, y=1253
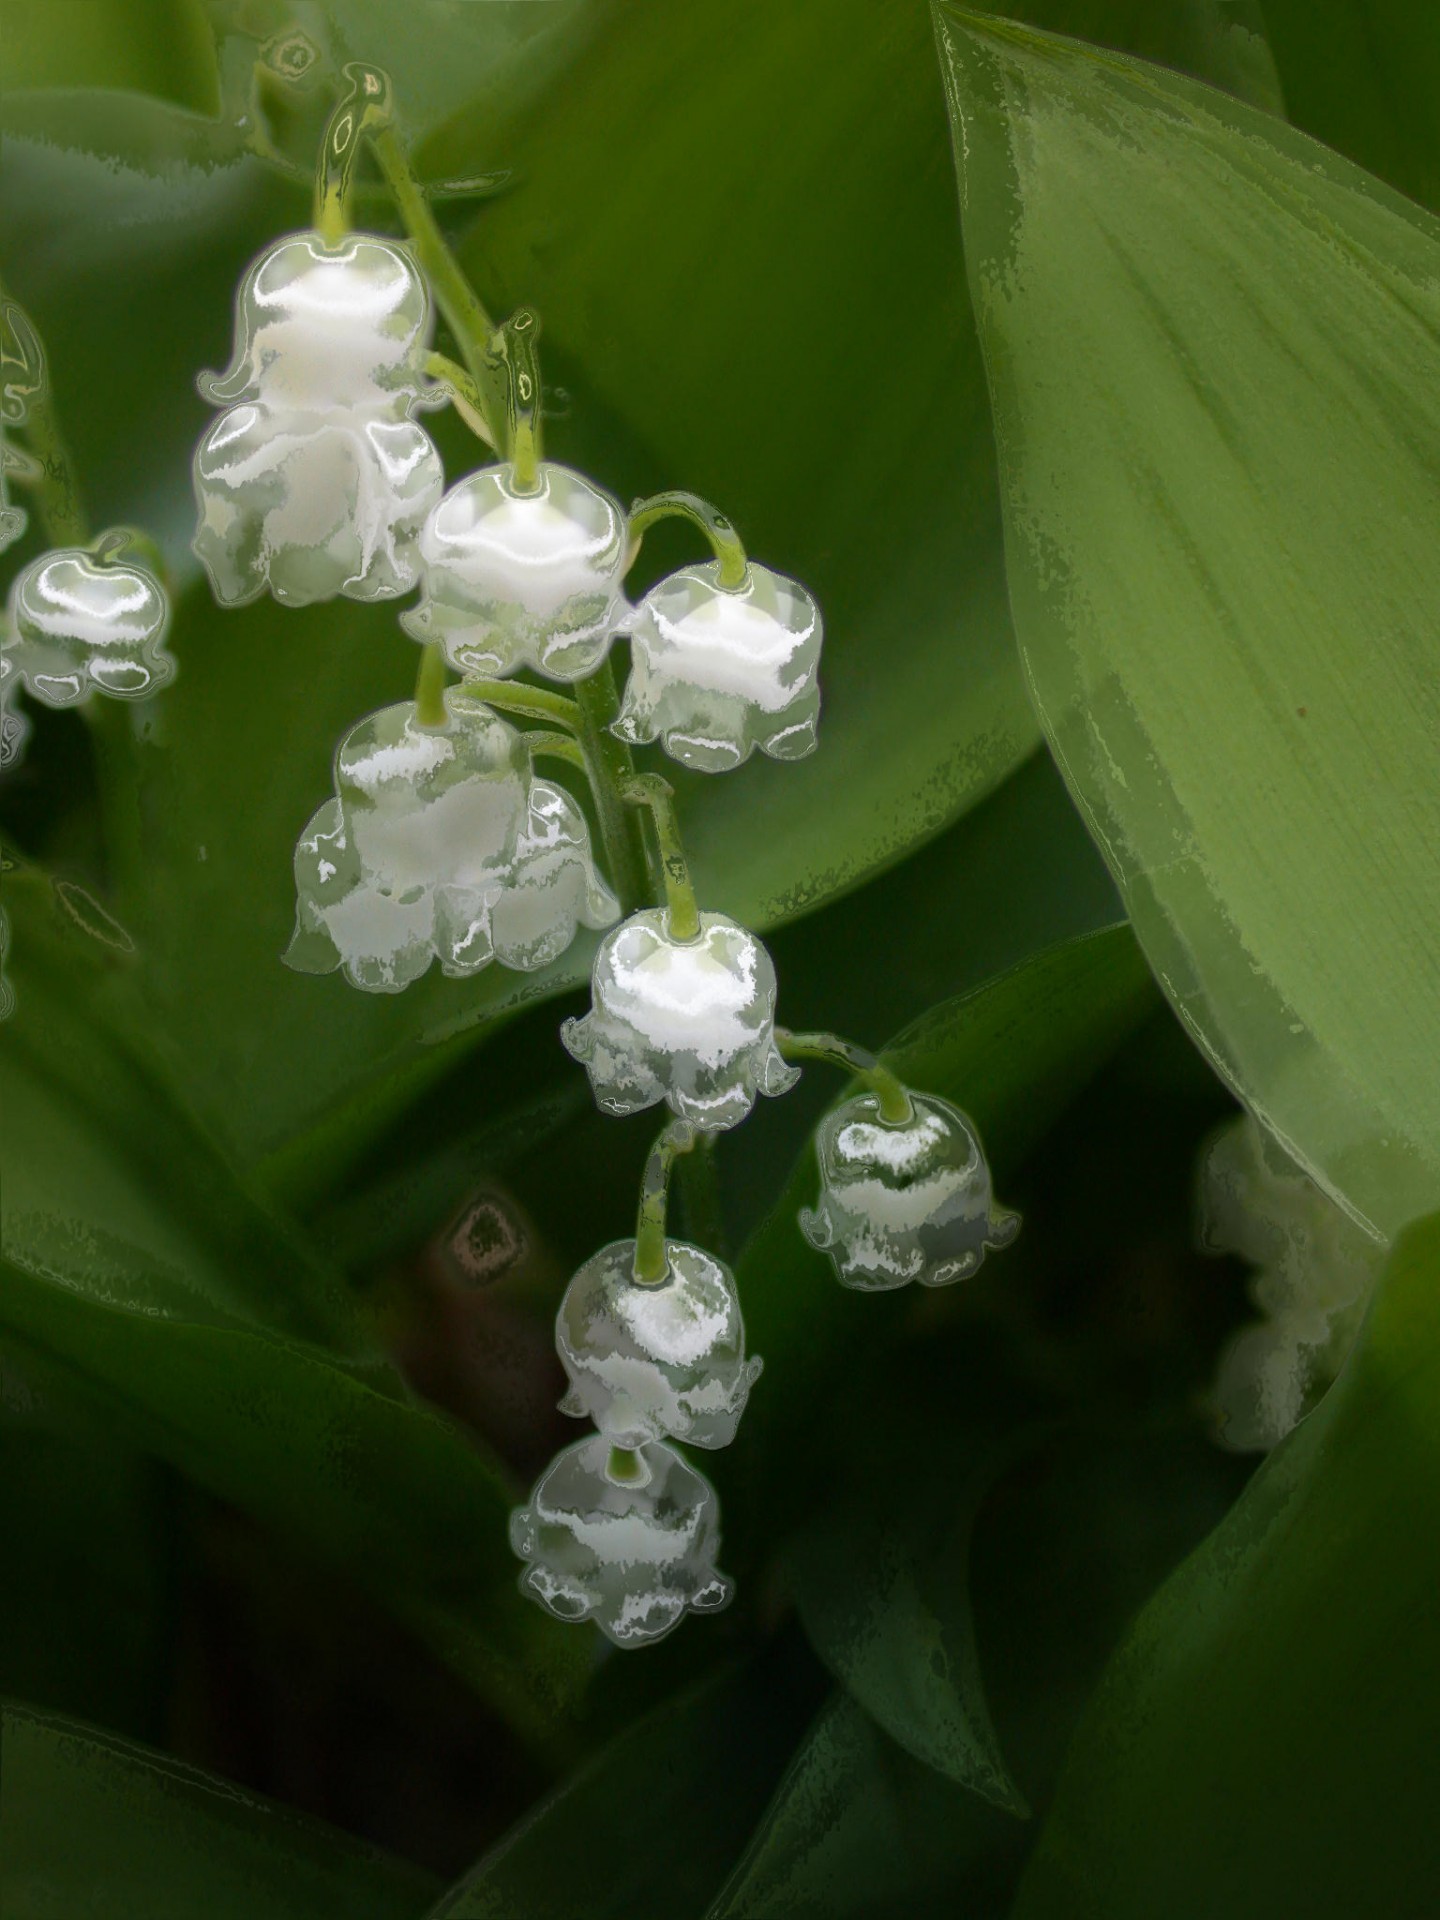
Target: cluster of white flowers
x=316, y=480
x=1315, y=1272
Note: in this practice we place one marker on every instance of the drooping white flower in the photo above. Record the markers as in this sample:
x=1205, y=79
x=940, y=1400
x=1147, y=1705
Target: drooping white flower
x=903, y=1200
x=717, y=672
x=518, y=578
x=650, y=1360
x=689, y=1022
x=430, y=832
x=632, y=1555
x=321, y=328
x=81, y=625
x=1316, y=1269
x=316, y=480
x=312, y=508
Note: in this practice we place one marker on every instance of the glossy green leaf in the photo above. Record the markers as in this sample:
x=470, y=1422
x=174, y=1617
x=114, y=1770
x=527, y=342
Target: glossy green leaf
x=97, y=1827
x=859, y=1831
x=160, y=47
x=201, y=1337
x=1215, y=364
x=1264, y=1741
x=649, y=1828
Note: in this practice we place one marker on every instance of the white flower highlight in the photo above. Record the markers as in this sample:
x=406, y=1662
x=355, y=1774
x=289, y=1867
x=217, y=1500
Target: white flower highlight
x=81, y=625
x=438, y=845
x=903, y=1201
x=718, y=672
x=518, y=578
x=316, y=481
x=1316, y=1269
x=689, y=1022
x=633, y=1555
x=650, y=1360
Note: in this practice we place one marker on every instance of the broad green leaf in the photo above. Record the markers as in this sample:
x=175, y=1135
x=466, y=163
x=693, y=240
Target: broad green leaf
x=154, y=46
x=650, y=1826
x=1013, y=1054
x=199, y=1337
x=97, y=1827
x=859, y=1831
x=1215, y=365
x=1363, y=76
x=1264, y=1740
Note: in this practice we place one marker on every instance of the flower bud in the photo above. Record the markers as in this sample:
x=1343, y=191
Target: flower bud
x=82, y=626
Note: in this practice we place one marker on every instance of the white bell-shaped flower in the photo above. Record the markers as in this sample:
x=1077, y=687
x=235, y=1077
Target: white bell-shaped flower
x=716, y=672
x=400, y=867
x=634, y=1555
x=82, y=625
x=1316, y=1269
x=552, y=888
x=312, y=508
x=650, y=1360
x=903, y=1200
x=518, y=579
x=689, y=1022
x=322, y=328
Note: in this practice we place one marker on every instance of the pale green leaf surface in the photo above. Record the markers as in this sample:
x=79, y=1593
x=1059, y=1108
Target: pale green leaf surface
x=97, y=1827
x=1214, y=353
x=1264, y=1740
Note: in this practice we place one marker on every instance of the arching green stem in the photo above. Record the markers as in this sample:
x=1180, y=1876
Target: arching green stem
x=895, y=1107
x=533, y=703
x=734, y=567
x=650, y=790
x=430, y=683
x=468, y=400
x=611, y=768
x=517, y=342
x=556, y=746
x=361, y=111
x=652, y=1264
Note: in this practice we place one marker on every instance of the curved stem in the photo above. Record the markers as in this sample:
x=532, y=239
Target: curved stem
x=734, y=567
x=556, y=746
x=517, y=341
x=365, y=107
x=469, y=322
x=467, y=398
x=702, y=1212
x=533, y=703
x=650, y=790
x=430, y=682
x=895, y=1107
x=652, y=1263
x=610, y=768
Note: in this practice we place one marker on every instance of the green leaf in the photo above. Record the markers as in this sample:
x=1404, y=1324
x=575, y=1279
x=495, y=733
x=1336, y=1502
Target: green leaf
x=1363, y=76
x=1264, y=1741
x=1013, y=1054
x=647, y=1830
x=96, y=1826
x=188, y=1317
x=154, y=46
x=1214, y=352
x=859, y=1831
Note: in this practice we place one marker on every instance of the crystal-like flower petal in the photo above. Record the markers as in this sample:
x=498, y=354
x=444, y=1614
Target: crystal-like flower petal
x=903, y=1201
x=311, y=510
x=716, y=673
x=645, y=1361
x=324, y=328
x=522, y=579
x=82, y=626
x=634, y=1556
x=689, y=1022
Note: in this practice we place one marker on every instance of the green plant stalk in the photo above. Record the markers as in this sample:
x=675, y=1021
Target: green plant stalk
x=652, y=1264
x=725, y=542
x=896, y=1109
x=611, y=769
x=533, y=703
x=556, y=746
x=682, y=913
x=471, y=325
x=699, y=1180
x=430, y=681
